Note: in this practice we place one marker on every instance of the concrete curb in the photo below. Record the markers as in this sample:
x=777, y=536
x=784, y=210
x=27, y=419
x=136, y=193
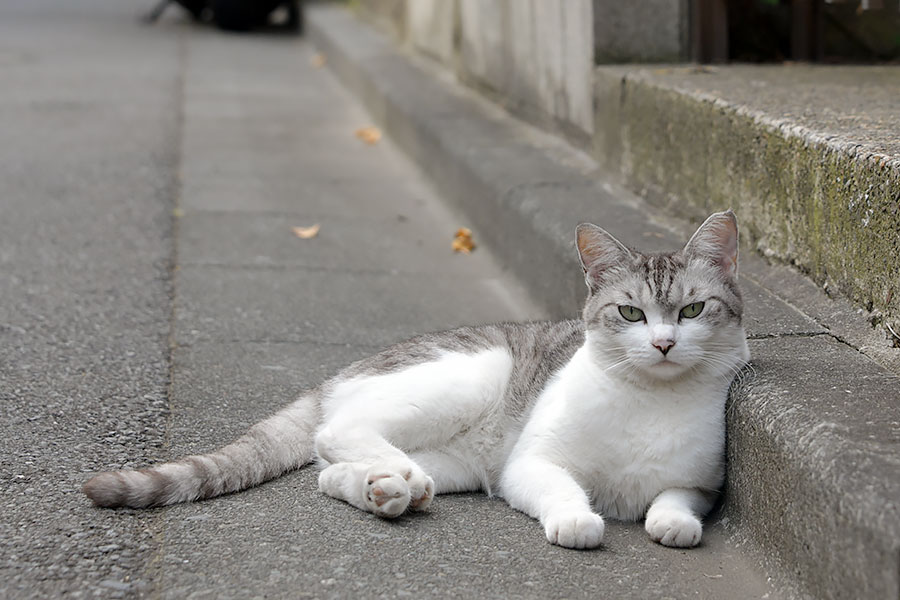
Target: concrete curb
x=814, y=472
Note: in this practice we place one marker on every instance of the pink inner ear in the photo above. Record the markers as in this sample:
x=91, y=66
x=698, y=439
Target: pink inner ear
x=717, y=239
x=727, y=235
x=590, y=252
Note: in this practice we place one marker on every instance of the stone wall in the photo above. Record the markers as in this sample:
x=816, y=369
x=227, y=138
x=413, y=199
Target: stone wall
x=431, y=25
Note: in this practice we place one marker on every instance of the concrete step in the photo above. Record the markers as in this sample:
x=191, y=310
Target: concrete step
x=814, y=427
x=808, y=154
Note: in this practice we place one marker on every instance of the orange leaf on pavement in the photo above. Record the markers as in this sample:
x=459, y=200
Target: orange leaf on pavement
x=306, y=233
x=463, y=241
x=369, y=135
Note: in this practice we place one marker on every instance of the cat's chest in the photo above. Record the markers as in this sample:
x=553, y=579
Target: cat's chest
x=629, y=449
x=628, y=427
x=616, y=437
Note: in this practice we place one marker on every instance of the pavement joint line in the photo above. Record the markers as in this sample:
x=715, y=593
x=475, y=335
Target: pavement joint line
x=317, y=269
x=800, y=334
x=279, y=267
x=261, y=341
x=158, y=525
x=816, y=320
x=294, y=215
x=860, y=350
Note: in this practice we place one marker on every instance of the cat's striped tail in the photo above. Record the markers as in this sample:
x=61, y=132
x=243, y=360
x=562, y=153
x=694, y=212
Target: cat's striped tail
x=283, y=442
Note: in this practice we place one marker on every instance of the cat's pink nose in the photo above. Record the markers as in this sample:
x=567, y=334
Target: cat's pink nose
x=664, y=346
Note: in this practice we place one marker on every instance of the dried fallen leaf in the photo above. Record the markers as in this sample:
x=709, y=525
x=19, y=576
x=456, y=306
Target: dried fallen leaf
x=318, y=60
x=463, y=241
x=369, y=135
x=305, y=233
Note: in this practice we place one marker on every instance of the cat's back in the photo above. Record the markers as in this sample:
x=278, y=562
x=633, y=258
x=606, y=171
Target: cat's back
x=537, y=349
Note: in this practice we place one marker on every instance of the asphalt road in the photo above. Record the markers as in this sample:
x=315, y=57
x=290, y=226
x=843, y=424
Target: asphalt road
x=154, y=301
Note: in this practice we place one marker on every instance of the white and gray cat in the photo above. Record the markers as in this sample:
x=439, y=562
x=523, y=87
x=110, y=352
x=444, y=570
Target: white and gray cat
x=619, y=414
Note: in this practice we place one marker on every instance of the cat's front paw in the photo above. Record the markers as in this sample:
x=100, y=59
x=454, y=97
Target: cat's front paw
x=675, y=528
x=581, y=529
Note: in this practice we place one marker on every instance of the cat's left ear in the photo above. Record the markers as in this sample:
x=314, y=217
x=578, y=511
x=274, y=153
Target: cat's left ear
x=717, y=242
x=599, y=252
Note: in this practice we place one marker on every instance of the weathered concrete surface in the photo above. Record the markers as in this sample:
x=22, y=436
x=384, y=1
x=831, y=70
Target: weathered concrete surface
x=646, y=31
x=809, y=156
x=388, y=15
x=85, y=291
x=814, y=432
x=529, y=192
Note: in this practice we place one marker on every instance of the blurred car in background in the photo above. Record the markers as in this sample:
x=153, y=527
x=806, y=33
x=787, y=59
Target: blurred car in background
x=237, y=15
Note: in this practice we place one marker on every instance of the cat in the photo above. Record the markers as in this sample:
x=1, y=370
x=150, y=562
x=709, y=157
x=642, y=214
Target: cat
x=618, y=414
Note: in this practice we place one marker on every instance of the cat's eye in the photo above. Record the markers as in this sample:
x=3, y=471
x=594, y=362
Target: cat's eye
x=630, y=313
x=691, y=310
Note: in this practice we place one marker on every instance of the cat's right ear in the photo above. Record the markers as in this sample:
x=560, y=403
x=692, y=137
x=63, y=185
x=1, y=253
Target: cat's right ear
x=598, y=251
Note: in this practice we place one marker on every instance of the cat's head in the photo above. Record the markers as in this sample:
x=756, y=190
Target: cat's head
x=665, y=316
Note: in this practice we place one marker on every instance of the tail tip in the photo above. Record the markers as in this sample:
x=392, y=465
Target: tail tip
x=107, y=490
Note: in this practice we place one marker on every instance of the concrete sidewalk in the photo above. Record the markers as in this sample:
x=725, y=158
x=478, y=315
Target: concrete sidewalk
x=155, y=302
x=89, y=133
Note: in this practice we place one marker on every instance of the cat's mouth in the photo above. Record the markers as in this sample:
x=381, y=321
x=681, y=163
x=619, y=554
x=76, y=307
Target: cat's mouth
x=667, y=362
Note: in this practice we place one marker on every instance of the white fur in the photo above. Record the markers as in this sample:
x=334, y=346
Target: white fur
x=593, y=442
x=615, y=446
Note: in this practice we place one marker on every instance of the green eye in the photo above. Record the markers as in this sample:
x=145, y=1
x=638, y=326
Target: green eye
x=691, y=310
x=630, y=313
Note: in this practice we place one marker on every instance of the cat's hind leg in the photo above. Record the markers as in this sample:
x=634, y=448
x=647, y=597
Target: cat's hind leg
x=382, y=490
x=369, y=473
x=386, y=494
x=374, y=420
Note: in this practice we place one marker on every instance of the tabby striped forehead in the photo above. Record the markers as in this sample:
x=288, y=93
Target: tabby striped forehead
x=660, y=273
x=668, y=282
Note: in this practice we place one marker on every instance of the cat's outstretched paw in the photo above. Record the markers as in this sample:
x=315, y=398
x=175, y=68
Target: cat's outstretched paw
x=388, y=491
x=386, y=494
x=582, y=529
x=675, y=528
